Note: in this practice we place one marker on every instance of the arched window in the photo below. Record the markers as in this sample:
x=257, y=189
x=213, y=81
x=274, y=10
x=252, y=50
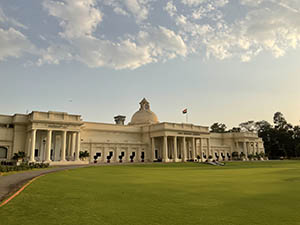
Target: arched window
x=3, y=152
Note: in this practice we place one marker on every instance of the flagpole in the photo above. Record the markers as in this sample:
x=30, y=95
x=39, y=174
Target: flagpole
x=186, y=117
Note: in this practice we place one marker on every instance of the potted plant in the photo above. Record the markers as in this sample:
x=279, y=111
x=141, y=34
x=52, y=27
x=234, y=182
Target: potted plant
x=243, y=156
x=251, y=157
x=235, y=155
x=131, y=158
x=84, y=155
x=262, y=156
x=198, y=158
x=19, y=157
x=210, y=158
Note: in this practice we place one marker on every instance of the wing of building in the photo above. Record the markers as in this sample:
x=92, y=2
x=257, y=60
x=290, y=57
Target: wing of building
x=58, y=138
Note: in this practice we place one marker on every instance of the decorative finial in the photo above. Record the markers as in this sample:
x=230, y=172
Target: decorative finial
x=144, y=105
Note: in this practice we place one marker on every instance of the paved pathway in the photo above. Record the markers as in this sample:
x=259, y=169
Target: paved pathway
x=11, y=183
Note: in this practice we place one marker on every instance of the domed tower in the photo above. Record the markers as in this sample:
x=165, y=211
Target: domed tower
x=144, y=116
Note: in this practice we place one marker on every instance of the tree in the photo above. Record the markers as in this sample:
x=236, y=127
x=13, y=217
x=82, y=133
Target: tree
x=218, y=128
x=297, y=150
x=235, y=130
x=279, y=120
x=262, y=126
x=19, y=155
x=248, y=126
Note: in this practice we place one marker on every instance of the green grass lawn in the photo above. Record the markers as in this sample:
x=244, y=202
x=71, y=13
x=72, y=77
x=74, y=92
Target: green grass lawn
x=265, y=193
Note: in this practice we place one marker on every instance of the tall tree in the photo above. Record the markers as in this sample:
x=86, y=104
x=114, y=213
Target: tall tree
x=218, y=128
x=248, y=126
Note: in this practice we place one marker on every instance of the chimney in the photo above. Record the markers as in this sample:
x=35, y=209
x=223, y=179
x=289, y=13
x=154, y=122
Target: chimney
x=120, y=120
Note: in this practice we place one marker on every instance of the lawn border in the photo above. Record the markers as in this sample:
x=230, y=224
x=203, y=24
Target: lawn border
x=19, y=191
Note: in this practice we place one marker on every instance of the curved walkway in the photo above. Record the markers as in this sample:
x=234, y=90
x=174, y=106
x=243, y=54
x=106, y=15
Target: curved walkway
x=11, y=183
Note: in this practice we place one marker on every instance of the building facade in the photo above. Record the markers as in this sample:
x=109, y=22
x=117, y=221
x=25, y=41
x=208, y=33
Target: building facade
x=57, y=138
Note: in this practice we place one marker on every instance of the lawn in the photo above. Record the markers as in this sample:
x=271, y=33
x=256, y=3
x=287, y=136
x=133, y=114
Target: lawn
x=241, y=193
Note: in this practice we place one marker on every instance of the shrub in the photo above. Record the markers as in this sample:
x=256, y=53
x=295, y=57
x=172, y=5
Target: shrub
x=23, y=166
x=84, y=154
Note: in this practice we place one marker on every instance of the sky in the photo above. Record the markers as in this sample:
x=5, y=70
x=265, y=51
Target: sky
x=227, y=61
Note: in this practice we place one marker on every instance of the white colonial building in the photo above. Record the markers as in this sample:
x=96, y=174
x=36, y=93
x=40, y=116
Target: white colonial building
x=58, y=138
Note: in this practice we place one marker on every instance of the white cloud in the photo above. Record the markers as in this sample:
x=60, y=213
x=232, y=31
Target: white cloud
x=149, y=45
x=10, y=21
x=13, y=44
x=139, y=9
x=170, y=8
x=204, y=27
x=54, y=55
x=78, y=17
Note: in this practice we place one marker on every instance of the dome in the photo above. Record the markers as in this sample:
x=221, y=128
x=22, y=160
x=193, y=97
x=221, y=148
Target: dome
x=144, y=115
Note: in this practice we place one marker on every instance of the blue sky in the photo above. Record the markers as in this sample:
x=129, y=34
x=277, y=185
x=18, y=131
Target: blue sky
x=226, y=61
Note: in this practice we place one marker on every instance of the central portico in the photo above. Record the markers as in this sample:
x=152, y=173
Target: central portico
x=53, y=137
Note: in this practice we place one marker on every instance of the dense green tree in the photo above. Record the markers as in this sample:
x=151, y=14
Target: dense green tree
x=235, y=130
x=218, y=128
x=280, y=140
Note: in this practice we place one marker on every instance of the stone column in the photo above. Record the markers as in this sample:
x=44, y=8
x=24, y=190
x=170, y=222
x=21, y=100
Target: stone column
x=63, y=146
x=175, y=148
x=201, y=149
x=153, y=148
x=48, y=145
x=193, y=149
x=183, y=154
x=245, y=149
x=73, y=146
x=208, y=148
x=78, y=140
x=165, y=149
x=69, y=146
x=32, y=149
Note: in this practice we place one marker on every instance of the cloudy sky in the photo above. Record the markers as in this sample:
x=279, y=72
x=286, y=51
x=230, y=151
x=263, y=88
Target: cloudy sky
x=225, y=60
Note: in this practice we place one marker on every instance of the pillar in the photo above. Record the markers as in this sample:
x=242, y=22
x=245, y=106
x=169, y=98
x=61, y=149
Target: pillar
x=32, y=149
x=73, y=146
x=153, y=148
x=78, y=140
x=208, y=148
x=193, y=149
x=165, y=149
x=48, y=145
x=201, y=149
x=63, y=146
x=237, y=146
x=183, y=154
x=69, y=146
x=175, y=148
x=245, y=149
